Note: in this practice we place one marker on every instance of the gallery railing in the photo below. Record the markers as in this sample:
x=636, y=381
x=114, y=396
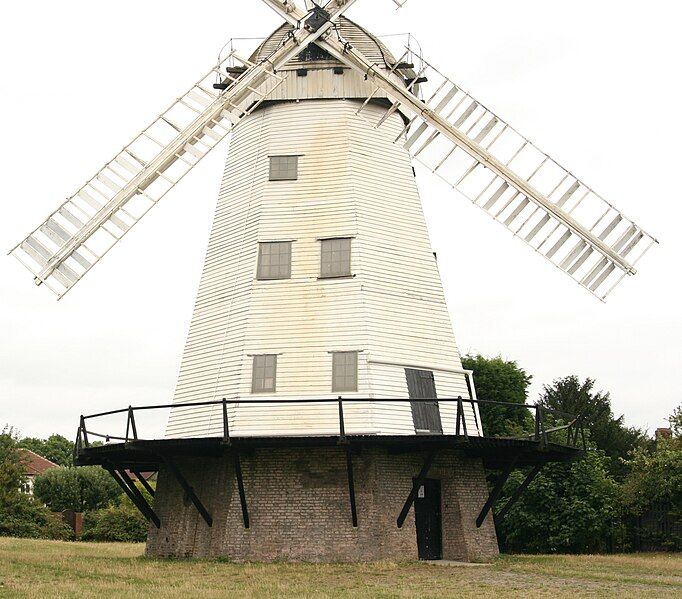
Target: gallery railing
x=550, y=426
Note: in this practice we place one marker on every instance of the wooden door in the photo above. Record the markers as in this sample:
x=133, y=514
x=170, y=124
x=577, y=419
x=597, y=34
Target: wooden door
x=425, y=414
x=427, y=517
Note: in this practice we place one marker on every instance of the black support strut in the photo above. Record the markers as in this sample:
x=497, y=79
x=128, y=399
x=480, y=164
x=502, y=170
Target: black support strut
x=144, y=482
x=495, y=493
x=351, y=486
x=189, y=491
x=518, y=492
x=418, y=482
x=128, y=486
x=240, y=486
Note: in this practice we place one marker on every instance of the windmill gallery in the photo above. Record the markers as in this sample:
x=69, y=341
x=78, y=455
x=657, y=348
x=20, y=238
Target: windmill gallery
x=321, y=411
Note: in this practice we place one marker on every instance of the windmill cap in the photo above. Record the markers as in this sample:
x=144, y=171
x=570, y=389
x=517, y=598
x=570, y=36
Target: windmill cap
x=361, y=39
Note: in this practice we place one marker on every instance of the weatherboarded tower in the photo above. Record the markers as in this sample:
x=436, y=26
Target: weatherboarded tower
x=320, y=282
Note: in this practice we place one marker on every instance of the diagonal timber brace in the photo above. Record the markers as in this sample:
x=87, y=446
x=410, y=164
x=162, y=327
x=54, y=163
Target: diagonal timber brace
x=518, y=492
x=240, y=487
x=188, y=489
x=418, y=482
x=495, y=493
x=144, y=482
x=131, y=490
x=351, y=486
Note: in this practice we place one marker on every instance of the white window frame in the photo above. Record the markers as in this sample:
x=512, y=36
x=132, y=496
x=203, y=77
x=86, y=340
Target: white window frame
x=260, y=364
x=343, y=386
x=283, y=167
x=329, y=268
x=267, y=255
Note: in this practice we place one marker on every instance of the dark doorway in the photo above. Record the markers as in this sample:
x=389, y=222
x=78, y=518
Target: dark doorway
x=425, y=414
x=428, y=521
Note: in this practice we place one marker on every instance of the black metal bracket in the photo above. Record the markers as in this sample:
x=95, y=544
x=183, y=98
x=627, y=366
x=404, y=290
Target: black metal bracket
x=123, y=480
x=189, y=491
x=343, y=440
x=240, y=486
x=144, y=482
x=461, y=428
x=130, y=424
x=518, y=492
x=351, y=485
x=418, y=482
x=495, y=493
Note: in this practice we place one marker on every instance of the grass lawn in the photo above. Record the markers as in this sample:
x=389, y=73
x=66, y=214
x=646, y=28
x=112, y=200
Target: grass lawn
x=56, y=569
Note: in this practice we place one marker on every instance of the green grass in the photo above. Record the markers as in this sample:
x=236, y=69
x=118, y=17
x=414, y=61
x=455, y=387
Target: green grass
x=56, y=569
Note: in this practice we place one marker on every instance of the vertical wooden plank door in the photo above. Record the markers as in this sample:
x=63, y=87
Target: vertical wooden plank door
x=425, y=414
x=427, y=517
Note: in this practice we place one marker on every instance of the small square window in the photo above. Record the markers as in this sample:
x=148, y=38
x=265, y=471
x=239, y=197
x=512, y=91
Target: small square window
x=264, y=373
x=344, y=371
x=274, y=260
x=335, y=258
x=283, y=168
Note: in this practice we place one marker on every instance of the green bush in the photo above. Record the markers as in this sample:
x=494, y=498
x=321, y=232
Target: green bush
x=501, y=380
x=569, y=508
x=122, y=523
x=655, y=481
x=22, y=516
x=79, y=489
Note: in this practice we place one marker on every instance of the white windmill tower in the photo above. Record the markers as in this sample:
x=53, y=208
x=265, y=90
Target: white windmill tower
x=319, y=282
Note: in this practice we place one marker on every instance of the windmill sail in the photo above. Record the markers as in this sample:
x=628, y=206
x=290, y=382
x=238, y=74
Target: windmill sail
x=89, y=223
x=84, y=228
x=507, y=176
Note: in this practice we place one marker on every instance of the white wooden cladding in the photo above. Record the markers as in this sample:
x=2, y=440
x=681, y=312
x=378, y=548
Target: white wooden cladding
x=101, y=212
x=352, y=182
x=502, y=172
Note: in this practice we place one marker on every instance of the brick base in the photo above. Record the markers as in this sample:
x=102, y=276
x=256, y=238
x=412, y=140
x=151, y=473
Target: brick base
x=300, y=511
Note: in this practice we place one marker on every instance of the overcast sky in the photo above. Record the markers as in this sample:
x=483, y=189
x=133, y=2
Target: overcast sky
x=595, y=84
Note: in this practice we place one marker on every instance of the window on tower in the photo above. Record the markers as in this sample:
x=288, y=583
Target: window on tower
x=283, y=168
x=274, y=260
x=335, y=258
x=344, y=371
x=264, y=373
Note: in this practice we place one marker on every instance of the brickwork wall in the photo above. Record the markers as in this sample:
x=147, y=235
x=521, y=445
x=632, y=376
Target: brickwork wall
x=300, y=511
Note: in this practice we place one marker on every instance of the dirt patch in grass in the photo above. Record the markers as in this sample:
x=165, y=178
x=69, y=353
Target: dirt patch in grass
x=56, y=569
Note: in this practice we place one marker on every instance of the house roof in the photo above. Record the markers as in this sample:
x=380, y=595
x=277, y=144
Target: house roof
x=35, y=464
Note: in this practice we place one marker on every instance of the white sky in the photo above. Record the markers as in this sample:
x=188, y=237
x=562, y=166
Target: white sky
x=596, y=84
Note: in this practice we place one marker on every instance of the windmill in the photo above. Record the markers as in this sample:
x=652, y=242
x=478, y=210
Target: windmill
x=320, y=318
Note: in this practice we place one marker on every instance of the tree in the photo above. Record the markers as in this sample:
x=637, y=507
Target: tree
x=675, y=420
x=12, y=470
x=501, y=380
x=20, y=515
x=654, y=480
x=572, y=508
x=56, y=448
x=79, y=489
x=607, y=433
